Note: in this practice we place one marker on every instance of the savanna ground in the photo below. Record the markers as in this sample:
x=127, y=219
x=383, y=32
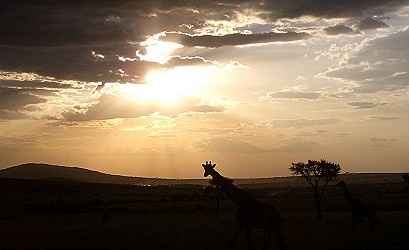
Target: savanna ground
x=71, y=215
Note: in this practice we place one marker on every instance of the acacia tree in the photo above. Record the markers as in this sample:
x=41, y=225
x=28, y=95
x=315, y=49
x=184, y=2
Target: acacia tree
x=315, y=172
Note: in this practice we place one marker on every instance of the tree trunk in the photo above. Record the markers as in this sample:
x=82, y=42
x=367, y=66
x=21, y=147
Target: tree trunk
x=318, y=209
x=318, y=204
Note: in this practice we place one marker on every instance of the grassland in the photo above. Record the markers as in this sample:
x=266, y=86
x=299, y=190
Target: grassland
x=39, y=214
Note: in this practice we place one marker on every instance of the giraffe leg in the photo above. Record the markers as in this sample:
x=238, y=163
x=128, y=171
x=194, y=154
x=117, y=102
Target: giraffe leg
x=353, y=223
x=362, y=222
x=249, y=240
x=281, y=240
x=371, y=222
x=266, y=238
x=235, y=235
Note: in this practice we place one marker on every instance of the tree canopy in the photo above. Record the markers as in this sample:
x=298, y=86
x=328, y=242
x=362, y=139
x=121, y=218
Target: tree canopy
x=315, y=172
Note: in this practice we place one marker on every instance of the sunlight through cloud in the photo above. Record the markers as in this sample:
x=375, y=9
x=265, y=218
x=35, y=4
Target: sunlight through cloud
x=157, y=51
x=168, y=86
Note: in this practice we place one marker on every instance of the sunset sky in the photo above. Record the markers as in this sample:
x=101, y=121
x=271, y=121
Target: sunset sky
x=155, y=88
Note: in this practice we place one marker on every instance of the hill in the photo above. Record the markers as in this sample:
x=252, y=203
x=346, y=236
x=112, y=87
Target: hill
x=39, y=171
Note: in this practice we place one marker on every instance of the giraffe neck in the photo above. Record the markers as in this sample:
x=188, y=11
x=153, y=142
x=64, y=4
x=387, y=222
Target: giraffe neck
x=347, y=195
x=227, y=186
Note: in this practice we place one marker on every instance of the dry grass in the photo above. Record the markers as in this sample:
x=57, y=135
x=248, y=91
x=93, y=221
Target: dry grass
x=62, y=215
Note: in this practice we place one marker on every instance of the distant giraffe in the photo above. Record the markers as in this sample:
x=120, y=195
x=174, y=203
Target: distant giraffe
x=251, y=213
x=405, y=177
x=358, y=209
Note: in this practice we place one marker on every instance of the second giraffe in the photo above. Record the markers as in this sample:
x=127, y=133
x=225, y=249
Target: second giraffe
x=358, y=209
x=251, y=213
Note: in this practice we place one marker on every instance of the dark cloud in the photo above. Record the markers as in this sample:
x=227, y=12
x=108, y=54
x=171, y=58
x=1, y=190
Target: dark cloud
x=13, y=103
x=371, y=24
x=14, y=99
x=187, y=61
x=295, y=95
x=102, y=23
x=233, y=39
x=96, y=40
x=35, y=85
x=77, y=63
x=340, y=30
x=12, y=115
x=330, y=9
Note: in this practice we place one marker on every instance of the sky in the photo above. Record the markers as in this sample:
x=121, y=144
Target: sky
x=156, y=88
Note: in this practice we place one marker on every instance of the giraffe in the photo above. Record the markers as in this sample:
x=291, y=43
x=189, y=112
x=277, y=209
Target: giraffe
x=405, y=177
x=358, y=209
x=251, y=213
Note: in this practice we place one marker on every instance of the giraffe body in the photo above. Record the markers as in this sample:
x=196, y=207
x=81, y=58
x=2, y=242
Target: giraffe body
x=358, y=209
x=251, y=213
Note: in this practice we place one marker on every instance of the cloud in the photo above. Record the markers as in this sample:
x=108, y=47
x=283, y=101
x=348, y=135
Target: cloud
x=109, y=106
x=212, y=41
x=329, y=9
x=378, y=64
x=77, y=63
x=340, y=30
x=186, y=61
x=35, y=85
x=362, y=105
x=286, y=123
x=378, y=139
x=296, y=146
x=97, y=40
x=228, y=145
x=14, y=103
x=294, y=95
x=371, y=24
x=384, y=118
x=233, y=145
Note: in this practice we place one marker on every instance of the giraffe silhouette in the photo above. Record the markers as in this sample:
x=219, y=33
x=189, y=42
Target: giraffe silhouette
x=358, y=209
x=251, y=213
x=405, y=177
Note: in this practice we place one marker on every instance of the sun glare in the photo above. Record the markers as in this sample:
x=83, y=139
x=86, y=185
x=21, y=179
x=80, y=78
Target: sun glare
x=169, y=86
x=157, y=51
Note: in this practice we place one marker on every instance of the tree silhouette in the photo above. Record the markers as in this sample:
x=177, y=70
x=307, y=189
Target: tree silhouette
x=315, y=172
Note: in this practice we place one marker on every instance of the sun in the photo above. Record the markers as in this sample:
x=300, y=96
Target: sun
x=171, y=85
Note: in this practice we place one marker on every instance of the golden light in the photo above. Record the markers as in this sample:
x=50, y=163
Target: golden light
x=156, y=50
x=169, y=86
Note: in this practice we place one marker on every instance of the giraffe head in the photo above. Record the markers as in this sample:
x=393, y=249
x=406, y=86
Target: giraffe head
x=208, y=168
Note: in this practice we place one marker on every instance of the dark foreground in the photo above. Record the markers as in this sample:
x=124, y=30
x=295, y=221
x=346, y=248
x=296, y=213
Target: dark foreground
x=68, y=215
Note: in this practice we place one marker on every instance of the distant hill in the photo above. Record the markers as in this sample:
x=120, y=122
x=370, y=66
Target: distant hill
x=38, y=171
